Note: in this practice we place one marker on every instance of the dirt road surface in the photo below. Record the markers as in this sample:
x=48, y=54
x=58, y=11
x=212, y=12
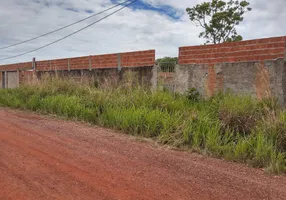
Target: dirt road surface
x=45, y=158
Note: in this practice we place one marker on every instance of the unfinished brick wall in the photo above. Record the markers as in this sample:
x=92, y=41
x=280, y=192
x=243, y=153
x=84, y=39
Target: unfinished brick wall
x=86, y=62
x=249, y=50
x=128, y=59
x=14, y=67
x=138, y=59
x=253, y=67
x=96, y=67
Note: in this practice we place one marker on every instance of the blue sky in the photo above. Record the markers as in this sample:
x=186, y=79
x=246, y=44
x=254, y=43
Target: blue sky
x=140, y=5
x=162, y=25
x=162, y=9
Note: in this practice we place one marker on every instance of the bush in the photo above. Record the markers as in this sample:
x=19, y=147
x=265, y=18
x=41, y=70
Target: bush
x=239, y=113
x=274, y=127
x=193, y=95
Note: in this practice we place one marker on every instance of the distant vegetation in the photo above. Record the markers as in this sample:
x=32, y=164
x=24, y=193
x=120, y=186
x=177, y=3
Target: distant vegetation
x=168, y=60
x=236, y=128
x=167, y=64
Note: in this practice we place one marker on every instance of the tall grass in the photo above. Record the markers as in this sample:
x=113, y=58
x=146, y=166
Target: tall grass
x=236, y=128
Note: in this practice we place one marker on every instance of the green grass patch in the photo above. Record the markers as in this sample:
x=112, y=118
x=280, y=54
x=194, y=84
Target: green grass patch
x=236, y=128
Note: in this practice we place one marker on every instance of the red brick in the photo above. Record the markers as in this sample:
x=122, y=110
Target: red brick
x=252, y=50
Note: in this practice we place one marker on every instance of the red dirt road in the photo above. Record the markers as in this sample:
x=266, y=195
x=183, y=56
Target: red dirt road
x=44, y=158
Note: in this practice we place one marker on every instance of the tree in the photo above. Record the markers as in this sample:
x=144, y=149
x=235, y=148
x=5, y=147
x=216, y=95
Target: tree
x=218, y=19
x=168, y=59
x=167, y=64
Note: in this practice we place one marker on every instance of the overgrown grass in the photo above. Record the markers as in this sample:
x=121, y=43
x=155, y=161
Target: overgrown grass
x=236, y=128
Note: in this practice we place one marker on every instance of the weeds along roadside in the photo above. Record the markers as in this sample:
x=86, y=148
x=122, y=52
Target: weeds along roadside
x=233, y=127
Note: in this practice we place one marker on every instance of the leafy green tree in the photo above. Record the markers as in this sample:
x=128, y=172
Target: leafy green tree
x=168, y=60
x=218, y=19
x=167, y=64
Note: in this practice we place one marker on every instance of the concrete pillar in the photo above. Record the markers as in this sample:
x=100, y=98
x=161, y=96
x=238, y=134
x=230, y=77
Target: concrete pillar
x=154, y=77
x=18, y=78
x=50, y=62
x=284, y=77
x=34, y=64
x=119, y=61
x=6, y=79
x=2, y=79
x=69, y=67
x=89, y=63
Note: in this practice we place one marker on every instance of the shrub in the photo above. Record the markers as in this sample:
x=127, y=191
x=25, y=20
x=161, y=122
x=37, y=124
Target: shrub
x=274, y=127
x=239, y=113
x=278, y=163
x=192, y=94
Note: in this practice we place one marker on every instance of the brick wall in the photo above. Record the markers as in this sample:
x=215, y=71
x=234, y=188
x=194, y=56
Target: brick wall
x=129, y=59
x=138, y=59
x=26, y=77
x=249, y=50
x=255, y=67
x=13, y=67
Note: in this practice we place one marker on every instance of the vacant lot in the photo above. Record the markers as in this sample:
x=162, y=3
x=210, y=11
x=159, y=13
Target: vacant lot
x=43, y=158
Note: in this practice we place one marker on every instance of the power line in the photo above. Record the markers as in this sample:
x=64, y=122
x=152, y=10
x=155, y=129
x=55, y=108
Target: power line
x=73, y=33
x=59, y=29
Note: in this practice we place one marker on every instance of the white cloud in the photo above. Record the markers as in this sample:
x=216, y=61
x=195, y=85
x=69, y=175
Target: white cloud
x=128, y=30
